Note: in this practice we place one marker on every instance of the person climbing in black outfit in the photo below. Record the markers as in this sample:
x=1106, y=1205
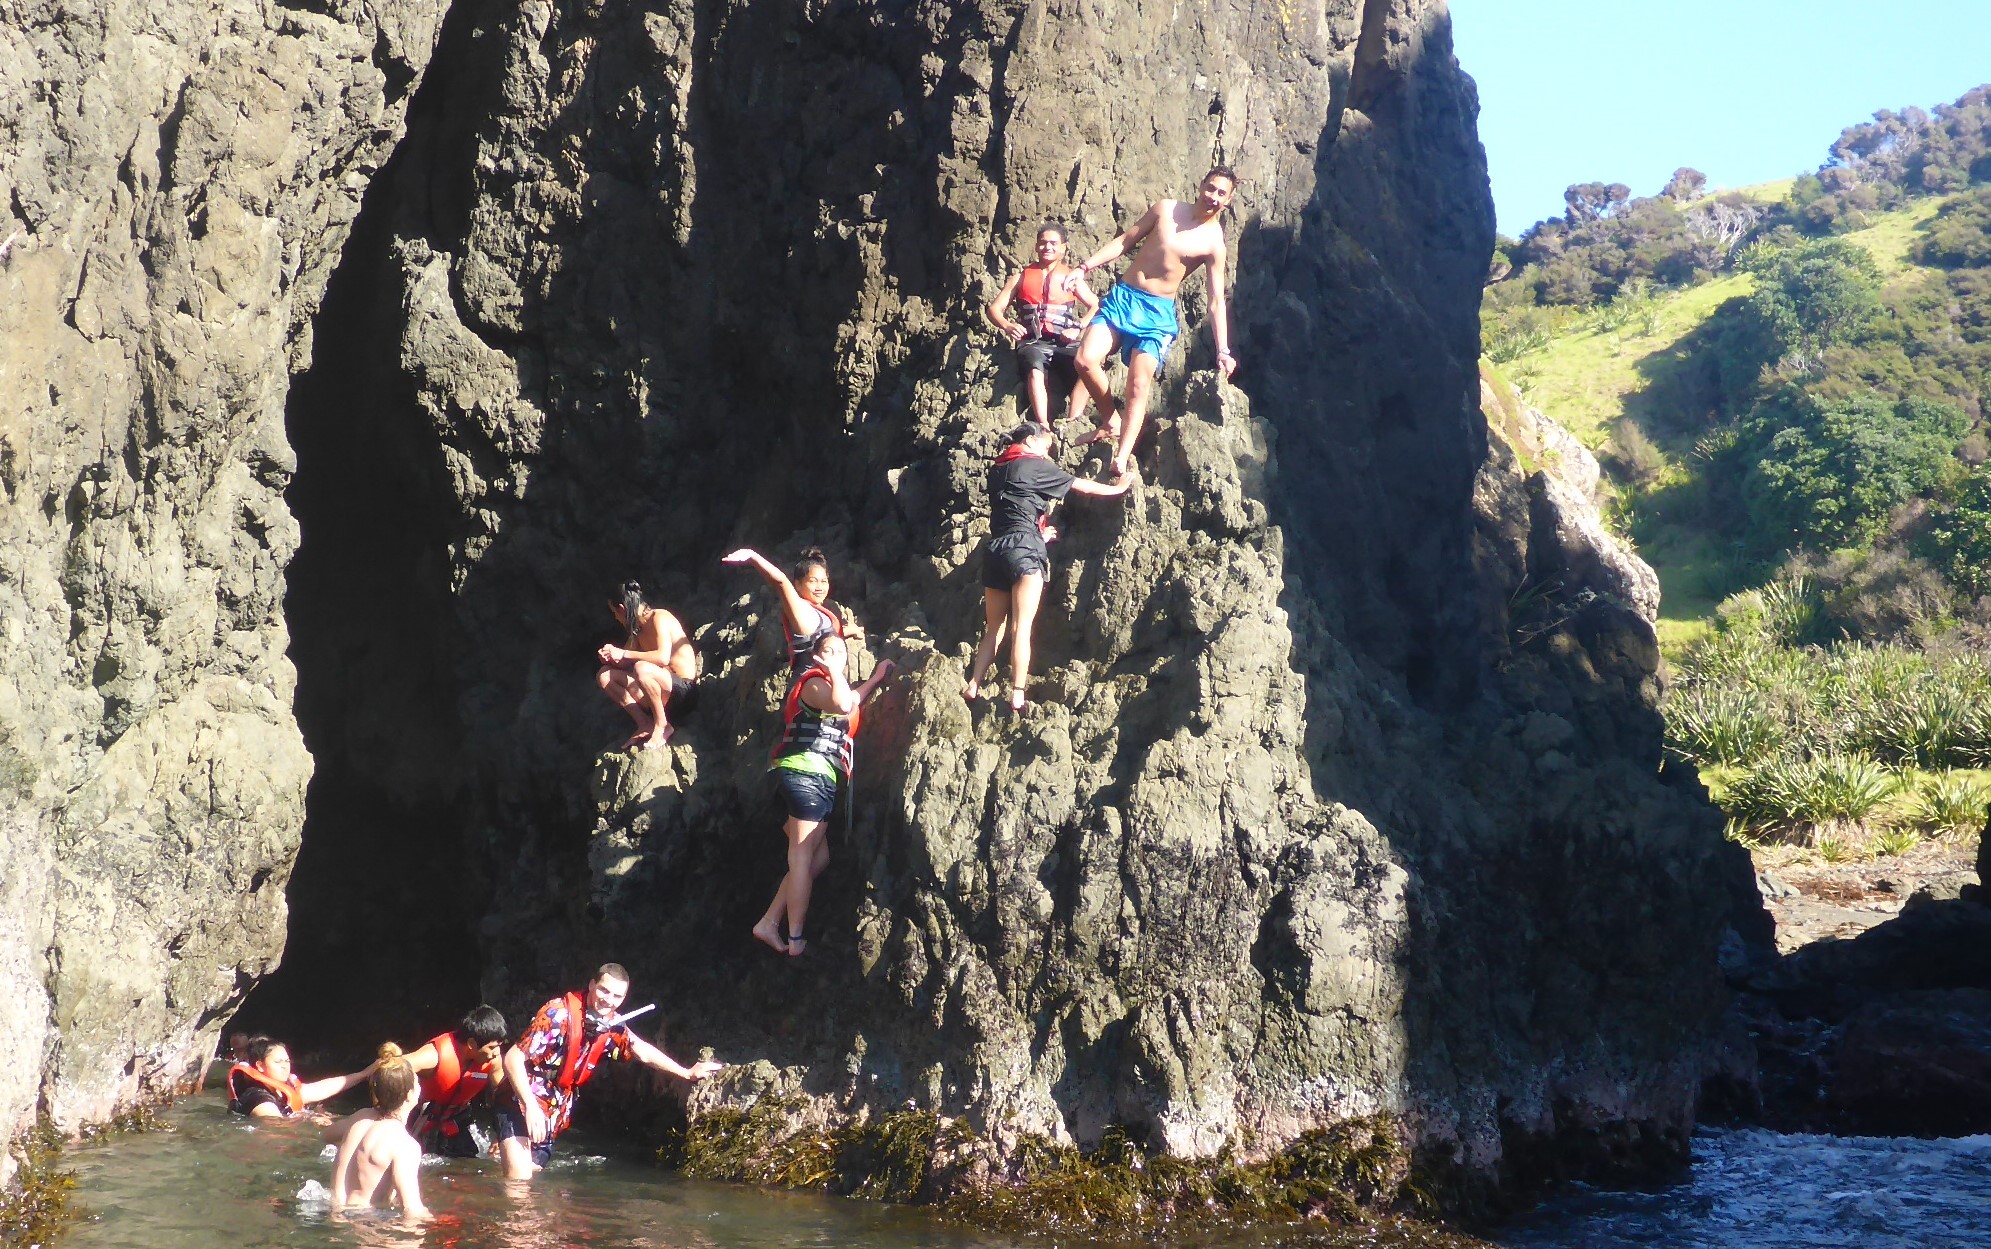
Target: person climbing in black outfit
x=1024, y=485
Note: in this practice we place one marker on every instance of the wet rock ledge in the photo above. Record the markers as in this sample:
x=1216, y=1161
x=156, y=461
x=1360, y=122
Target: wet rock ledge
x=1343, y=794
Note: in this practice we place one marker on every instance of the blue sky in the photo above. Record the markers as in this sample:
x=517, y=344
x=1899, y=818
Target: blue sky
x=1743, y=90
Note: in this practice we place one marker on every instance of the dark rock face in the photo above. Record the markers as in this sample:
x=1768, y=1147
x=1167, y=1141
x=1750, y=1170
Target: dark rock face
x=176, y=180
x=1337, y=797
x=1306, y=824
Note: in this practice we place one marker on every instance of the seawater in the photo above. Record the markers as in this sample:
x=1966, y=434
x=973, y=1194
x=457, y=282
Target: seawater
x=1755, y=1189
x=217, y=1180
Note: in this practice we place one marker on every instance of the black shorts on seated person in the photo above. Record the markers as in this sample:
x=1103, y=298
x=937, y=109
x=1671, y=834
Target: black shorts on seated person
x=1039, y=355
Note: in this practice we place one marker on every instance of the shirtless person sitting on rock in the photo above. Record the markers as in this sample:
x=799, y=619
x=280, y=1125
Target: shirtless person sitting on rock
x=655, y=671
x=1138, y=314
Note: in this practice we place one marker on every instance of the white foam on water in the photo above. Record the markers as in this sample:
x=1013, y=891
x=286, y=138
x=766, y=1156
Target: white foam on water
x=314, y=1194
x=1756, y=1189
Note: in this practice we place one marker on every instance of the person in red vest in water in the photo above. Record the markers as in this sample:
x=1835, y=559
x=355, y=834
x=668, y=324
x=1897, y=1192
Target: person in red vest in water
x=565, y=1044
x=457, y=1068
x=1051, y=315
x=1024, y=485
x=262, y=1086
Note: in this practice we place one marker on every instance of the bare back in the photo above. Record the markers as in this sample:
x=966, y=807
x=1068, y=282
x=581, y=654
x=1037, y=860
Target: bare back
x=661, y=633
x=1176, y=244
x=377, y=1164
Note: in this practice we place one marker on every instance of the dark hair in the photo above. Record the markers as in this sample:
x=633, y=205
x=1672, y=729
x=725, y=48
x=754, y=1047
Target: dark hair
x=811, y=557
x=393, y=1079
x=1022, y=433
x=259, y=1048
x=1220, y=171
x=482, y=1026
x=612, y=971
x=1052, y=227
x=632, y=608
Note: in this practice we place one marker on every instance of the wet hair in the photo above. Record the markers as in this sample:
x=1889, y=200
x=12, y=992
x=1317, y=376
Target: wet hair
x=613, y=971
x=482, y=1026
x=393, y=1079
x=811, y=557
x=1220, y=171
x=1052, y=227
x=259, y=1048
x=633, y=604
x=1023, y=433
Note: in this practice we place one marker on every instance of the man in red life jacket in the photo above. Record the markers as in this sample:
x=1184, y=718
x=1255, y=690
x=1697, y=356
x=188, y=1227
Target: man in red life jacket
x=263, y=1087
x=567, y=1041
x=456, y=1069
x=1052, y=314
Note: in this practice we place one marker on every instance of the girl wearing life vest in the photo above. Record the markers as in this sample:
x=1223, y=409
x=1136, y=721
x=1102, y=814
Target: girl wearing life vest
x=1052, y=314
x=263, y=1087
x=378, y=1163
x=807, y=615
x=819, y=727
x=456, y=1069
x=1024, y=485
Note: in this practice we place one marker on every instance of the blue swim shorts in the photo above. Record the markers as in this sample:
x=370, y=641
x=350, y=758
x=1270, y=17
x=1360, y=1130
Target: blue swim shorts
x=1140, y=322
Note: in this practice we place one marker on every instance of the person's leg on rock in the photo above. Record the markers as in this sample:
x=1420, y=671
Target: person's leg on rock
x=1023, y=614
x=1140, y=384
x=621, y=687
x=995, y=612
x=1090, y=363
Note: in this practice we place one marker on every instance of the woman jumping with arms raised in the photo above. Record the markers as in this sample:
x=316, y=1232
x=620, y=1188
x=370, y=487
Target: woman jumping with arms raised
x=1024, y=485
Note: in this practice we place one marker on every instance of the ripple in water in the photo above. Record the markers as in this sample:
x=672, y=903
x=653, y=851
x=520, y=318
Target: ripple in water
x=1755, y=1189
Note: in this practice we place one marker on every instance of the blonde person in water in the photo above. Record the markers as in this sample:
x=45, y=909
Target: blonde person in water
x=379, y=1164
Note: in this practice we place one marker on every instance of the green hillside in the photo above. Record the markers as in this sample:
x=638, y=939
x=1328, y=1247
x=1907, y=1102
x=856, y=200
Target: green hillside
x=1787, y=387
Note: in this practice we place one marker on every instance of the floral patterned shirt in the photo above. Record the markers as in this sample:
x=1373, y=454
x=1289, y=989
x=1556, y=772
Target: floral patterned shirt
x=544, y=1046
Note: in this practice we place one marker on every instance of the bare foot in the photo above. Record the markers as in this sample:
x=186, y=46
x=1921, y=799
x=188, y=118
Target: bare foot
x=1119, y=466
x=657, y=739
x=1016, y=701
x=636, y=739
x=771, y=938
x=969, y=694
x=797, y=947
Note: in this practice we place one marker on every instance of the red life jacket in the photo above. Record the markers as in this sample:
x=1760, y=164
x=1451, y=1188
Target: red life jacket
x=448, y=1087
x=290, y=1091
x=581, y=1058
x=1046, y=305
x=805, y=730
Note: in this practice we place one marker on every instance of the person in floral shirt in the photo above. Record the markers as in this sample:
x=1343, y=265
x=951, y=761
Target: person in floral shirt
x=565, y=1044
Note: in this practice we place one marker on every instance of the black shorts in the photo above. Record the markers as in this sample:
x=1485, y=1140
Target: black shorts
x=1048, y=355
x=810, y=796
x=683, y=698
x=511, y=1122
x=1006, y=564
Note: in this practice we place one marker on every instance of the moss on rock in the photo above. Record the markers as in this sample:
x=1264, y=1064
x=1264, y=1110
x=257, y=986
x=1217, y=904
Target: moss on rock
x=37, y=1205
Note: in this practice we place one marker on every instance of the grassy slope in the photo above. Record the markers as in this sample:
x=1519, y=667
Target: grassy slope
x=1587, y=379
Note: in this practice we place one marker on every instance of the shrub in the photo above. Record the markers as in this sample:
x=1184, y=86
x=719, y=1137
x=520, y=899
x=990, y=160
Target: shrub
x=1938, y=718
x=1830, y=471
x=1959, y=537
x=1953, y=802
x=1638, y=460
x=1893, y=841
x=1789, y=793
x=1722, y=724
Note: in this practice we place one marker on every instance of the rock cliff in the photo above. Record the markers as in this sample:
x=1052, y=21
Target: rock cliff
x=176, y=181
x=1339, y=796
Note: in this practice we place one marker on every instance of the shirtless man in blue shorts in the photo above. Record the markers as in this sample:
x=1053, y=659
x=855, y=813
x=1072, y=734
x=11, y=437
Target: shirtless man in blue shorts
x=1175, y=238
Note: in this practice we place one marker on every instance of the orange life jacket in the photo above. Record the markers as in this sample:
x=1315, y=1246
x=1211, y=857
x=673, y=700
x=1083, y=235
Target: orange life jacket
x=448, y=1086
x=1046, y=305
x=805, y=730
x=290, y=1091
x=581, y=1059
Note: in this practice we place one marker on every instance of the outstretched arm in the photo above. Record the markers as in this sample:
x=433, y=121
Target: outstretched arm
x=331, y=1086
x=1099, y=489
x=1124, y=242
x=794, y=608
x=650, y=1056
x=872, y=682
x=1220, y=328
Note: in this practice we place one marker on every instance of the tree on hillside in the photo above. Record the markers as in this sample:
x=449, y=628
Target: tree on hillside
x=1814, y=294
x=1686, y=184
x=1589, y=201
x=1828, y=472
x=1724, y=222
